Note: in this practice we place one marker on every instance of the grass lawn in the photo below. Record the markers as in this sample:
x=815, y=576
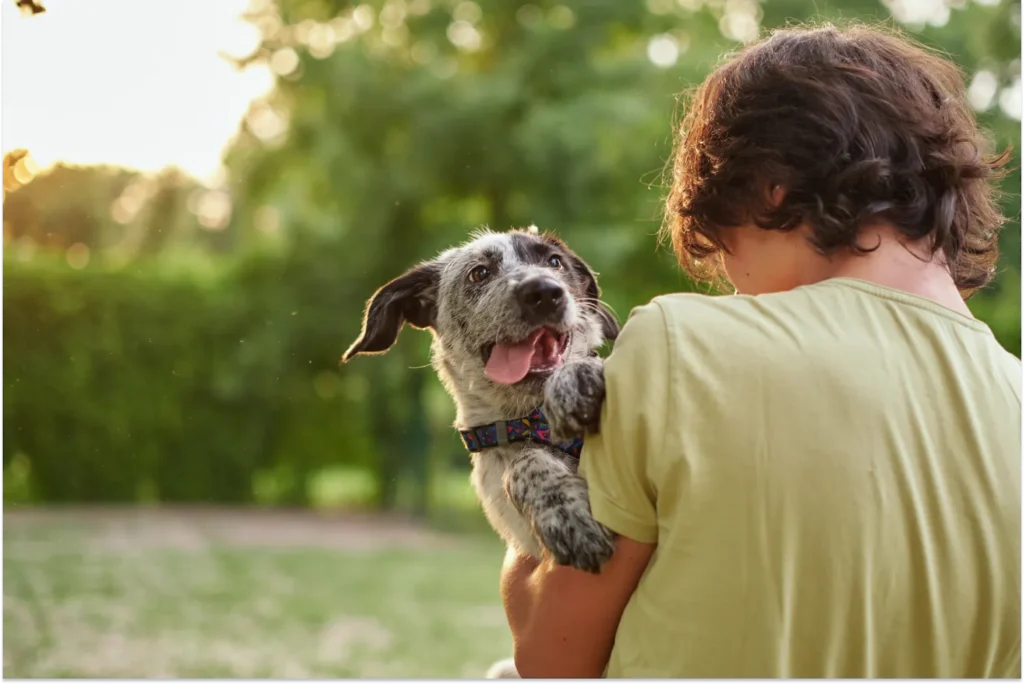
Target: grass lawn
x=163, y=594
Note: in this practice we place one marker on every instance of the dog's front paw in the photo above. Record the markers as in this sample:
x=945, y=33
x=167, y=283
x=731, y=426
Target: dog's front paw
x=574, y=538
x=573, y=398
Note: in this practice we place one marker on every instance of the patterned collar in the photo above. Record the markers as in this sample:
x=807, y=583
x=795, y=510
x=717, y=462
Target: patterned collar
x=532, y=428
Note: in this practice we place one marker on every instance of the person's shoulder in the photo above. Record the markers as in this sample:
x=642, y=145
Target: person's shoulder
x=691, y=314
x=687, y=305
x=735, y=333
x=1011, y=367
x=643, y=320
x=644, y=335
x=1011, y=361
x=661, y=329
x=725, y=324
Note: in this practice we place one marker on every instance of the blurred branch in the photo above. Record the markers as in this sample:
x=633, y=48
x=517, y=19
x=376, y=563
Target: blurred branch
x=240, y=63
x=10, y=180
x=30, y=6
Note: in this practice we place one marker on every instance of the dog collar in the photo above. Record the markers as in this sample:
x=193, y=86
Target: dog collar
x=532, y=428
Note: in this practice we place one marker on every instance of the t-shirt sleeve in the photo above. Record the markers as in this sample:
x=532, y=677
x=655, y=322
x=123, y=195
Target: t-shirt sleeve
x=615, y=461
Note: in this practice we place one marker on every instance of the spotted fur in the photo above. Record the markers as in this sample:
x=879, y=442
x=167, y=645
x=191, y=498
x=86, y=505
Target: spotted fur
x=530, y=493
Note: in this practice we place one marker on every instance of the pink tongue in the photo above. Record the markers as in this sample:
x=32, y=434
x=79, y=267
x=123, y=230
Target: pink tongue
x=509, y=363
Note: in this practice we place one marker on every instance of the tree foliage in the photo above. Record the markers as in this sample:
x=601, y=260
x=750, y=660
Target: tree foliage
x=198, y=348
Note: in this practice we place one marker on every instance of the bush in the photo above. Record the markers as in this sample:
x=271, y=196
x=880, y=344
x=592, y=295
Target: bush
x=221, y=384
x=171, y=384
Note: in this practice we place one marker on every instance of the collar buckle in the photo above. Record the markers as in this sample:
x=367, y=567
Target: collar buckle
x=501, y=428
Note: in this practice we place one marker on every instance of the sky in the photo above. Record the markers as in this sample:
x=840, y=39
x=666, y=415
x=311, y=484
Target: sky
x=136, y=83
x=139, y=83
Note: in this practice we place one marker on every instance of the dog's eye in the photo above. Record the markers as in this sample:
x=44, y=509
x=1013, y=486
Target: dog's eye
x=555, y=261
x=478, y=274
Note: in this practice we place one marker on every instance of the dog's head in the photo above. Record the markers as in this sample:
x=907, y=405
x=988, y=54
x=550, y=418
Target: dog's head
x=506, y=310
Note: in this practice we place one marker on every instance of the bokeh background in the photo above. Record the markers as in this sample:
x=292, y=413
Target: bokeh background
x=198, y=199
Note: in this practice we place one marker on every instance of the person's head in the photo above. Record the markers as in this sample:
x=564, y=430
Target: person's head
x=799, y=142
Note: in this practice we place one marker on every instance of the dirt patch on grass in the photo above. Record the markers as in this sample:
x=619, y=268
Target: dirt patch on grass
x=202, y=527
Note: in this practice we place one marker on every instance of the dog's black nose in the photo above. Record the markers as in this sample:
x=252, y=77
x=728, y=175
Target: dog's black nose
x=541, y=298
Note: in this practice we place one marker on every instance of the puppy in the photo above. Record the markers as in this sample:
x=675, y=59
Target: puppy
x=516, y=320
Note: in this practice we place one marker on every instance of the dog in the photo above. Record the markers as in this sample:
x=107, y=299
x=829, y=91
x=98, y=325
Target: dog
x=516, y=319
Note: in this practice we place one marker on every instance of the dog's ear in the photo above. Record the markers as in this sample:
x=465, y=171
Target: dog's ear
x=609, y=323
x=410, y=298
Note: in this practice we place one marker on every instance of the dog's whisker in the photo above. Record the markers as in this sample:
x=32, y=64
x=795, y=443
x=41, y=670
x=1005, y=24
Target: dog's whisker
x=594, y=302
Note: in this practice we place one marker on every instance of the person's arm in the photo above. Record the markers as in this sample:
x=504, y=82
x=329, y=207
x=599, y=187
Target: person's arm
x=564, y=620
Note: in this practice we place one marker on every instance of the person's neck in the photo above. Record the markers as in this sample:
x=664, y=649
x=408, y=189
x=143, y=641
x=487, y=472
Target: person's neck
x=899, y=266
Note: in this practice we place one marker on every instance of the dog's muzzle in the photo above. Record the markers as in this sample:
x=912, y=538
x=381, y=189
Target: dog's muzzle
x=541, y=300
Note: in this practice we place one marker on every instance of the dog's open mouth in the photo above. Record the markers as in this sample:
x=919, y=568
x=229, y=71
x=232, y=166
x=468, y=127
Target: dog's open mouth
x=539, y=354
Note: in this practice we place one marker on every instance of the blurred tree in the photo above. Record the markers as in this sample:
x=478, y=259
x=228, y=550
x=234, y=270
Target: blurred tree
x=63, y=205
x=395, y=128
x=164, y=210
x=112, y=212
x=398, y=125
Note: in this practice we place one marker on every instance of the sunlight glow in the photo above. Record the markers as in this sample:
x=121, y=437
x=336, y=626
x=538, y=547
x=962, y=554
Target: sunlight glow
x=663, y=51
x=126, y=82
x=741, y=20
x=982, y=90
x=919, y=12
x=1010, y=100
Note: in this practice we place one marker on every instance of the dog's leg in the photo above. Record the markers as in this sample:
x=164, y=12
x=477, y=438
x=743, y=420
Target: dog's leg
x=573, y=397
x=554, y=500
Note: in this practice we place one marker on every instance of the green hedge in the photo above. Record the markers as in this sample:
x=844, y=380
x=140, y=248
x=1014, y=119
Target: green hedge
x=175, y=385
x=221, y=384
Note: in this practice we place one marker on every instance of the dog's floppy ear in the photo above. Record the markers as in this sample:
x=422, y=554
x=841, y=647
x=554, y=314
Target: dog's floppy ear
x=410, y=298
x=609, y=323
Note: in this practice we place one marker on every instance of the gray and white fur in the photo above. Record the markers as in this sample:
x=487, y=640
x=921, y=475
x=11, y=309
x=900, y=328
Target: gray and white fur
x=499, y=288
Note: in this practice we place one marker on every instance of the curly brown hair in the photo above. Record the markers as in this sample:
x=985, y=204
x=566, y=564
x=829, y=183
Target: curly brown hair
x=857, y=125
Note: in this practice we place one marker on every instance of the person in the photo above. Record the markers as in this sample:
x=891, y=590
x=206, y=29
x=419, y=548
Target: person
x=818, y=475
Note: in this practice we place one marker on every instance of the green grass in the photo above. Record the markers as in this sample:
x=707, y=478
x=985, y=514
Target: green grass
x=83, y=601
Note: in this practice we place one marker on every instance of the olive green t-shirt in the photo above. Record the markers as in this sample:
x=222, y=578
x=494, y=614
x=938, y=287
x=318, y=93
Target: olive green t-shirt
x=832, y=476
